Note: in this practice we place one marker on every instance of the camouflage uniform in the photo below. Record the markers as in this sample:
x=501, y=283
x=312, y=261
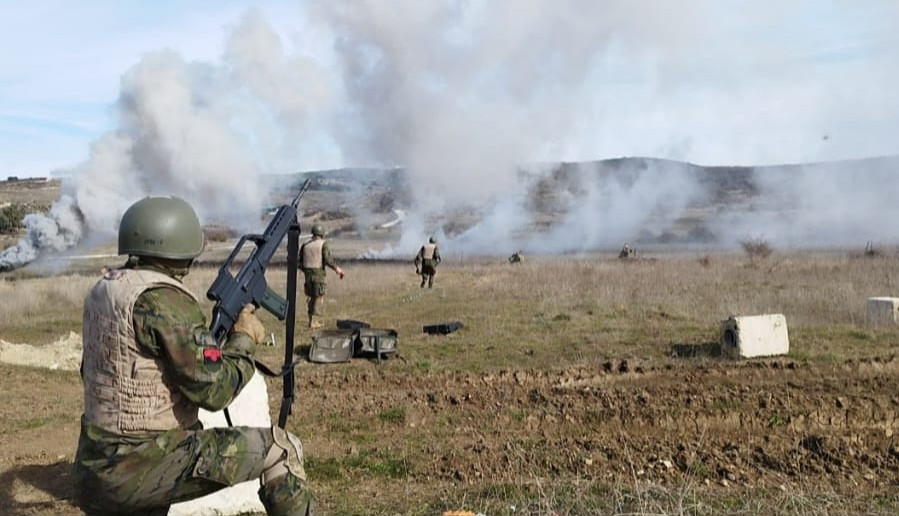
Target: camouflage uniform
x=426, y=262
x=125, y=464
x=315, y=256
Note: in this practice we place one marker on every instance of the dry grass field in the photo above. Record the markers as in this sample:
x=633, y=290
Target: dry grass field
x=579, y=385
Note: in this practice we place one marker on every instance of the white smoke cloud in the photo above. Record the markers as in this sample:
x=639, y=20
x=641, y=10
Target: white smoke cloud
x=462, y=94
x=201, y=131
x=819, y=205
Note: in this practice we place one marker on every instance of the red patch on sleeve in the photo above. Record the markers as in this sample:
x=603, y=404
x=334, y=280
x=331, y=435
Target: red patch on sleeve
x=212, y=355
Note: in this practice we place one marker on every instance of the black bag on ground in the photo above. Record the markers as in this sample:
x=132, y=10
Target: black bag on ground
x=441, y=328
x=350, y=324
x=332, y=346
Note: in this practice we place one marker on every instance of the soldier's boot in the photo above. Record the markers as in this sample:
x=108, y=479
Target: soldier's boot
x=284, y=491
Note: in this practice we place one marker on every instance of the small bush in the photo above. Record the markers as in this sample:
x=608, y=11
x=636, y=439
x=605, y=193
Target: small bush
x=218, y=233
x=871, y=251
x=705, y=260
x=393, y=415
x=11, y=218
x=757, y=248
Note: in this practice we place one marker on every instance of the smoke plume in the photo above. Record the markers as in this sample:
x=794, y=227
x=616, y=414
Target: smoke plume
x=466, y=95
x=201, y=131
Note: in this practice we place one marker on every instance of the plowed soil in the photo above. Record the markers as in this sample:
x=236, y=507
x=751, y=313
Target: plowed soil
x=719, y=428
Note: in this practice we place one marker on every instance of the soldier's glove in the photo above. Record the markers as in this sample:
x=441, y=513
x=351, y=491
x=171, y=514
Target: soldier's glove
x=250, y=325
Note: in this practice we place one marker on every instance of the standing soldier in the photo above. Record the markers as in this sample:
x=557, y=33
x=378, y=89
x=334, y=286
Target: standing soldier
x=426, y=262
x=315, y=255
x=149, y=363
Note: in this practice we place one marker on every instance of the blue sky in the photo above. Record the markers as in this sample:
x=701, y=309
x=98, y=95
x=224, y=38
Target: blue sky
x=62, y=62
x=709, y=81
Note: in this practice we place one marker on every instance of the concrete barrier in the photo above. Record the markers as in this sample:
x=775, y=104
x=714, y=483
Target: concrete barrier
x=250, y=408
x=883, y=311
x=754, y=336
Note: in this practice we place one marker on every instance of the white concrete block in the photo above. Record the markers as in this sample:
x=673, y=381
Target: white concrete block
x=249, y=408
x=754, y=336
x=883, y=311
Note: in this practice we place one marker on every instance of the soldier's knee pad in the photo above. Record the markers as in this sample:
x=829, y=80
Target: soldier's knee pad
x=287, y=496
x=285, y=456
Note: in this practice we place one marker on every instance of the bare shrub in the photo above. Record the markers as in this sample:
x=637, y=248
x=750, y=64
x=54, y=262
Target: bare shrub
x=871, y=251
x=757, y=248
x=218, y=233
x=11, y=217
x=337, y=214
x=705, y=260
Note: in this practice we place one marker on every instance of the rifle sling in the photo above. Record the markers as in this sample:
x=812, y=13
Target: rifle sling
x=268, y=371
x=293, y=249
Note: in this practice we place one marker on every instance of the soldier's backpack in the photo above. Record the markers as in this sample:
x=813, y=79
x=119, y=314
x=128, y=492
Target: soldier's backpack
x=378, y=342
x=332, y=346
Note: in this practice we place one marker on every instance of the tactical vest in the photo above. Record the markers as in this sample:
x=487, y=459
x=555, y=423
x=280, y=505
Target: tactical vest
x=427, y=251
x=125, y=390
x=311, y=254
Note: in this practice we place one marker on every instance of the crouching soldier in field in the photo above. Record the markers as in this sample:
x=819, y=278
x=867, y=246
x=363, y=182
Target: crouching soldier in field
x=315, y=256
x=149, y=363
x=426, y=262
x=517, y=258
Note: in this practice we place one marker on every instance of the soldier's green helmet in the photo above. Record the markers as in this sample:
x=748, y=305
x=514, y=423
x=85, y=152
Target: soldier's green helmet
x=162, y=227
x=318, y=230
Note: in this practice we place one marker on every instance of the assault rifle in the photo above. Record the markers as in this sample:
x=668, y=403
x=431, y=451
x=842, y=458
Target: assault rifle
x=232, y=293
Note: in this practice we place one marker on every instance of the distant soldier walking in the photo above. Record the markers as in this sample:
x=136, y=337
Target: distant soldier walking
x=426, y=262
x=315, y=256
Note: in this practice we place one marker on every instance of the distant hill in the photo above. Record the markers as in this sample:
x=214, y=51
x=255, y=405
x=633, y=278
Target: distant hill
x=637, y=199
x=673, y=202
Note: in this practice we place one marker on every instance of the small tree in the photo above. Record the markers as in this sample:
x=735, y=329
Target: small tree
x=871, y=251
x=757, y=249
x=11, y=218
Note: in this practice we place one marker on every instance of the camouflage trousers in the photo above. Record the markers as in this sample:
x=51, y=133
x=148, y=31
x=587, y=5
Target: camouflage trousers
x=427, y=276
x=145, y=476
x=314, y=288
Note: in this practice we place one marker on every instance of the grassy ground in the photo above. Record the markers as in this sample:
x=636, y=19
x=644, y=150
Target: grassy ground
x=553, y=313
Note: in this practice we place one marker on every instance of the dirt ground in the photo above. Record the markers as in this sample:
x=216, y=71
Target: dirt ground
x=713, y=425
